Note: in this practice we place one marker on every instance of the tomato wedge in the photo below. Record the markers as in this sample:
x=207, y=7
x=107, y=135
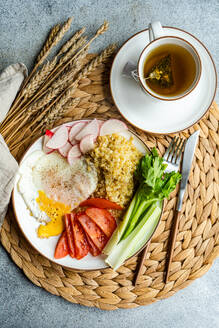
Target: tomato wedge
x=80, y=240
x=70, y=236
x=93, y=248
x=103, y=219
x=101, y=203
x=95, y=233
x=62, y=249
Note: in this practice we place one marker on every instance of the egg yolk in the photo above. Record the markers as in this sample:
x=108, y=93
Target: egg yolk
x=55, y=211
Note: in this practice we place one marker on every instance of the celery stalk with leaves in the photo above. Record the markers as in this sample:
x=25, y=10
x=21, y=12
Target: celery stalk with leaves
x=142, y=215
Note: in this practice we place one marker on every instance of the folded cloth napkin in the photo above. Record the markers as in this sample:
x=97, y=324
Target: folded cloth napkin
x=10, y=81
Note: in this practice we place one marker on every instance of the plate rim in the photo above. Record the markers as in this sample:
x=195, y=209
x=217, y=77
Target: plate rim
x=162, y=133
x=64, y=266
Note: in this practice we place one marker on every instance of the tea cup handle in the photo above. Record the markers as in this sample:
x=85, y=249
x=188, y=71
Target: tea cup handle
x=155, y=31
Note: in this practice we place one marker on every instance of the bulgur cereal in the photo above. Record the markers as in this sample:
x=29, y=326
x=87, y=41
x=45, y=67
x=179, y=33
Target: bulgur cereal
x=115, y=159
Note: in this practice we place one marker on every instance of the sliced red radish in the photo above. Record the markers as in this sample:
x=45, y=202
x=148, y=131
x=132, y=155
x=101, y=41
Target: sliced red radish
x=49, y=133
x=73, y=154
x=112, y=126
x=90, y=128
x=87, y=143
x=59, y=138
x=100, y=123
x=76, y=128
x=73, y=142
x=45, y=140
x=65, y=149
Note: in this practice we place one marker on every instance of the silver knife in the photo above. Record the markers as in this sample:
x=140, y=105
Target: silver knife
x=186, y=166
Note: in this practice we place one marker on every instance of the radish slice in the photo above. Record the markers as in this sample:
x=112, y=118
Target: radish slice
x=90, y=128
x=45, y=140
x=100, y=123
x=73, y=154
x=59, y=138
x=73, y=142
x=112, y=126
x=49, y=133
x=76, y=128
x=65, y=149
x=87, y=143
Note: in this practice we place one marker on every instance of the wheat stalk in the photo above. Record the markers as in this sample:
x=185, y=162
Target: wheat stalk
x=78, y=44
x=60, y=68
x=57, y=87
x=61, y=82
x=58, y=110
x=48, y=42
x=66, y=94
x=39, y=78
x=53, y=39
x=71, y=42
x=58, y=37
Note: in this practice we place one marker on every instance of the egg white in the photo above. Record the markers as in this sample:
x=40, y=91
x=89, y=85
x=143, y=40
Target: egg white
x=27, y=187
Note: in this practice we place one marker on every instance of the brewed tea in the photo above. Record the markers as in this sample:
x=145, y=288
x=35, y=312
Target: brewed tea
x=169, y=70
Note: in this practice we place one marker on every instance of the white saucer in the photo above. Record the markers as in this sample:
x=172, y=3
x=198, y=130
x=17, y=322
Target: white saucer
x=158, y=116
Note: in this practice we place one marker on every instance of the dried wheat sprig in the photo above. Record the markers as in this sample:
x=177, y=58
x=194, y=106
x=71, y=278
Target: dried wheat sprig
x=48, y=42
x=55, y=112
x=71, y=41
x=57, y=87
x=58, y=110
x=78, y=44
x=60, y=68
x=106, y=53
x=58, y=37
x=62, y=81
x=39, y=78
x=44, y=53
x=66, y=94
x=33, y=109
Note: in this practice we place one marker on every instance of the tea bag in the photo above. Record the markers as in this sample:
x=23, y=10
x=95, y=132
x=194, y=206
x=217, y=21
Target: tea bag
x=161, y=73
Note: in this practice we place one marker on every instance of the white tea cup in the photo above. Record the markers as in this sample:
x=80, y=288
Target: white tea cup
x=157, y=39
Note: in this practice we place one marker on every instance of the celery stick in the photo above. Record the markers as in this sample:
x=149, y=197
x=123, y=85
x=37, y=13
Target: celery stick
x=120, y=229
x=128, y=246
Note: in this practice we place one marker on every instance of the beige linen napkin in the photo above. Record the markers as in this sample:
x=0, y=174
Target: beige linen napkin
x=10, y=82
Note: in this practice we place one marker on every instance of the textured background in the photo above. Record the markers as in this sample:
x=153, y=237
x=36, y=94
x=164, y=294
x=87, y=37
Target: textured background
x=24, y=25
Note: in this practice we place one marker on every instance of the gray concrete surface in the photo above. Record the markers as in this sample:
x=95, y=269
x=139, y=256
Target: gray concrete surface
x=24, y=25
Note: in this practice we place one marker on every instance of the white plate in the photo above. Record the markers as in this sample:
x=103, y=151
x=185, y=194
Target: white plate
x=153, y=115
x=29, y=225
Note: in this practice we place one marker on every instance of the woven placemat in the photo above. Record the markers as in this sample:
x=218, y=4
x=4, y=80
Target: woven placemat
x=197, y=240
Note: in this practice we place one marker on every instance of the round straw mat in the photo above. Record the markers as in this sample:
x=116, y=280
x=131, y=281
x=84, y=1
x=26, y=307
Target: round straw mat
x=197, y=240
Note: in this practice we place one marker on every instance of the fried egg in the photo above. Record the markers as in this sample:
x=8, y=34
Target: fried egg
x=51, y=187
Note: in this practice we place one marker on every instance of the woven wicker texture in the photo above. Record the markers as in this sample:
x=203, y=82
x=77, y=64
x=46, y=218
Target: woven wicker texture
x=197, y=240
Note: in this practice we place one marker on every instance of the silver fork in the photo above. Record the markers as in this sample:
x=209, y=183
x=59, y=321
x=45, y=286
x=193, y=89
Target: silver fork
x=172, y=158
x=173, y=154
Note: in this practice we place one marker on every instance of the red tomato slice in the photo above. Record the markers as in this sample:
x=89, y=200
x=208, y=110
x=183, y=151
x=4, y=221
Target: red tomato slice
x=70, y=236
x=95, y=233
x=103, y=219
x=93, y=248
x=62, y=249
x=80, y=240
x=101, y=203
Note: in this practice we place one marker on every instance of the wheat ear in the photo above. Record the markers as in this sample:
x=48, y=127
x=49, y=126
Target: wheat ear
x=70, y=42
x=45, y=52
x=48, y=42
x=66, y=94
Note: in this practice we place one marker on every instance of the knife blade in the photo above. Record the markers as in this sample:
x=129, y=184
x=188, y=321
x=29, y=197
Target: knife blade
x=186, y=165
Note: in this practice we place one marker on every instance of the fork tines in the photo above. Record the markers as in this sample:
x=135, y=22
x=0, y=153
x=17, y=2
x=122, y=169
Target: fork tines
x=174, y=151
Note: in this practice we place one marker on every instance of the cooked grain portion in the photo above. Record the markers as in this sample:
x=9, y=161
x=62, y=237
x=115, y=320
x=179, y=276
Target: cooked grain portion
x=115, y=159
